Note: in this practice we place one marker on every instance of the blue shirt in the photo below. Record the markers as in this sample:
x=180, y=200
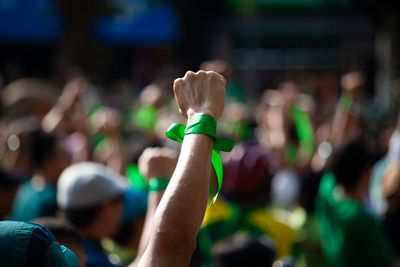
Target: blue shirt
x=95, y=254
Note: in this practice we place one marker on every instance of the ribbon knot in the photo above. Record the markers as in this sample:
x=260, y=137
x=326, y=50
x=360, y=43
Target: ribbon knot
x=204, y=124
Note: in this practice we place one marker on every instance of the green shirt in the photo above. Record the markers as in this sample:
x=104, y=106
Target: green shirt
x=350, y=236
x=224, y=219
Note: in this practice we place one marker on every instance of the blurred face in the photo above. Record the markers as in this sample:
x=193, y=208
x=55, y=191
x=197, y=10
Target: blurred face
x=56, y=164
x=112, y=216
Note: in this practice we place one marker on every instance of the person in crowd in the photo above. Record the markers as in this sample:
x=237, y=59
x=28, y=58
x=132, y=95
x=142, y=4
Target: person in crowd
x=385, y=189
x=180, y=212
x=244, y=250
x=347, y=122
x=9, y=184
x=308, y=243
x=90, y=195
x=37, y=197
x=109, y=151
x=28, y=97
x=28, y=244
x=17, y=150
x=350, y=235
x=65, y=234
x=244, y=205
x=124, y=244
x=157, y=165
x=94, y=197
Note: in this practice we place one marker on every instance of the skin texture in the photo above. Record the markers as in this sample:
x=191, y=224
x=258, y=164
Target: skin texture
x=158, y=162
x=154, y=162
x=181, y=210
x=200, y=93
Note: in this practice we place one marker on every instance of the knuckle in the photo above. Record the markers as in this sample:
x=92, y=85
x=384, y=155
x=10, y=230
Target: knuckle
x=189, y=75
x=178, y=82
x=219, y=77
x=202, y=73
x=210, y=72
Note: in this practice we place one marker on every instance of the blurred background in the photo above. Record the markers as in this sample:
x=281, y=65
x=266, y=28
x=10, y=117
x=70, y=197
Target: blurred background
x=266, y=41
x=91, y=80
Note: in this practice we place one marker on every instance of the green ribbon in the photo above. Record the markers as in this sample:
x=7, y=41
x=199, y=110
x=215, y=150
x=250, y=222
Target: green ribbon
x=135, y=178
x=346, y=101
x=304, y=130
x=204, y=124
x=146, y=117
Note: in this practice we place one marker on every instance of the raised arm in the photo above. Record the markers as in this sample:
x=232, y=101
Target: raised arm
x=66, y=102
x=345, y=122
x=157, y=165
x=181, y=210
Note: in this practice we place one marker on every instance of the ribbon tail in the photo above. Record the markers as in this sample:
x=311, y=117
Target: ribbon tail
x=217, y=164
x=176, y=132
x=223, y=144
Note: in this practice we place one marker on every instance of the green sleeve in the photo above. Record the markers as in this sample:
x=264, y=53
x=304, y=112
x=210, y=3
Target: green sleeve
x=375, y=247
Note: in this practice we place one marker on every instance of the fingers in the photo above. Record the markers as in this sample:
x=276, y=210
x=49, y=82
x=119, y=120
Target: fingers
x=157, y=162
x=219, y=76
x=201, y=73
x=189, y=75
x=200, y=93
x=182, y=104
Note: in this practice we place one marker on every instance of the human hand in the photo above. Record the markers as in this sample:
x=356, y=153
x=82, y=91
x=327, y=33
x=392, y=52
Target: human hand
x=200, y=93
x=353, y=82
x=158, y=162
x=151, y=95
x=110, y=121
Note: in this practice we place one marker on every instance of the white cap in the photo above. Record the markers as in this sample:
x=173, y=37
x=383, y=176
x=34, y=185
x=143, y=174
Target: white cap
x=88, y=184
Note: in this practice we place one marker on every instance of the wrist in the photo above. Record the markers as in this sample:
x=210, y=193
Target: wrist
x=202, y=124
x=191, y=114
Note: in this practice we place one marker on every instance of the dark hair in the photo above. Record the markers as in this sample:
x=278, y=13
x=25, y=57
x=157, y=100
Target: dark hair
x=82, y=217
x=243, y=250
x=309, y=190
x=9, y=180
x=247, y=174
x=349, y=162
x=125, y=233
x=61, y=229
x=43, y=147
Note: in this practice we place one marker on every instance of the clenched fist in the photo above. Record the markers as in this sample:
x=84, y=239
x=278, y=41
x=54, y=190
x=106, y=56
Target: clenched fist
x=200, y=93
x=353, y=83
x=158, y=162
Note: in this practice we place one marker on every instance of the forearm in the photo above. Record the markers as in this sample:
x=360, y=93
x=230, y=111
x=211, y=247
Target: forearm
x=187, y=193
x=116, y=160
x=53, y=118
x=154, y=199
x=340, y=125
x=181, y=210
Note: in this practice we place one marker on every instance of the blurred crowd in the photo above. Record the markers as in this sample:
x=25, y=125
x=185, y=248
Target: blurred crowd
x=310, y=182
